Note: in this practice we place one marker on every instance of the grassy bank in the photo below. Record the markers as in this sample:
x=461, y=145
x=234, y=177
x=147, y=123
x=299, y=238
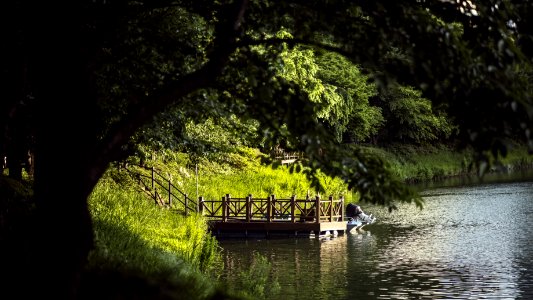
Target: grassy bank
x=433, y=163
x=238, y=175
x=146, y=250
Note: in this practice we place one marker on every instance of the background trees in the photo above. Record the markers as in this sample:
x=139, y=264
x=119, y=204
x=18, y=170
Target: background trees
x=99, y=71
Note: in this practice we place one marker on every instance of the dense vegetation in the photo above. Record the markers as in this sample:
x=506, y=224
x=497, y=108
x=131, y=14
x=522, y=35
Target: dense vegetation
x=93, y=83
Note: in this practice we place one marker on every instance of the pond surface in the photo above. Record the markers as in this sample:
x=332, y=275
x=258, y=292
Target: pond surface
x=469, y=242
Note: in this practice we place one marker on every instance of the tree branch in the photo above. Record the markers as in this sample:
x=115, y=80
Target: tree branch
x=226, y=34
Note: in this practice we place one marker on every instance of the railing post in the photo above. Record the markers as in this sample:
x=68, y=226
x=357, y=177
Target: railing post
x=293, y=205
x=169, y=190
x=228, y=206
x=317, y=209
x=331, y=208
x=153, y=179
x=224, y=208
x=342, y=209
x=186, y=203
x=273, y=210
x=153, y=186
x=200, y=206
x=251, y=206
x=248, y=203
x=269, y=208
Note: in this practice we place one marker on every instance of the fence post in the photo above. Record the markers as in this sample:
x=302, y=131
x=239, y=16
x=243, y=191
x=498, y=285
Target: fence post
x=224, y=208
x=342, y=209
x=186, y=203
x=317, y=209
x=200, y=206
x=251, y=206
x=170, y=190
x=273, y=210
x=153, y=179
x=248, y=201
x=230, y=206
x=269, y=208
x=153, y=187
x=293, y=204
x=331, y=208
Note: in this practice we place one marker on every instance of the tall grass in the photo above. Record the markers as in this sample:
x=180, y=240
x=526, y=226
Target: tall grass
x=262, y=181
x=135, y=236
x=516, y=158
x=412, y=164
x=239, y=176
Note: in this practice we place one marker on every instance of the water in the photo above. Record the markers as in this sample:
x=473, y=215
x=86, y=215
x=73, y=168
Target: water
x=470, y=242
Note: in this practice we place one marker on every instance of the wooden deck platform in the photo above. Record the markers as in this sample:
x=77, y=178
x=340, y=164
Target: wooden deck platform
x=258, y=229
x=274, y=217
x=251, y=216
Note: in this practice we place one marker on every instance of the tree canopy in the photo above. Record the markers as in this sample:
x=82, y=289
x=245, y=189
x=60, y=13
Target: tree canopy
x=89, y=75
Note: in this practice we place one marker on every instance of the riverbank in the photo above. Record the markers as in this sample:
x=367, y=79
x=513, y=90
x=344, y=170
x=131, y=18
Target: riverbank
x=432, y=163
x=160, y=233
x=141, y=248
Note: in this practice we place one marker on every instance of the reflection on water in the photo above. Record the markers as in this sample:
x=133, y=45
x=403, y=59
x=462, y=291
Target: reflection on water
x=467, y=243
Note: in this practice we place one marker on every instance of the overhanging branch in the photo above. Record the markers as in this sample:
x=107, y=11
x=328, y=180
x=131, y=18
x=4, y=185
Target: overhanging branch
x=226, y=34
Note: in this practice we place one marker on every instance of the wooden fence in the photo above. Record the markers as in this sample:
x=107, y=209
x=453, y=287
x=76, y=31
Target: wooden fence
x=164, y=192
x=248, y=209
x=272, y=209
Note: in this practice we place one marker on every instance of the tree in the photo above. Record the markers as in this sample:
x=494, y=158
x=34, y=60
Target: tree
x=100, y=70
x=352, y=118
x=411, y=118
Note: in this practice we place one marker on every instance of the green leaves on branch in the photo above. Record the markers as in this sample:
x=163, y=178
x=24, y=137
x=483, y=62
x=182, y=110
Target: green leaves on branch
x=410, y=118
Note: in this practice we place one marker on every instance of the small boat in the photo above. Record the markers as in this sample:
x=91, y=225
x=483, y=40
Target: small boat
x=357, y=219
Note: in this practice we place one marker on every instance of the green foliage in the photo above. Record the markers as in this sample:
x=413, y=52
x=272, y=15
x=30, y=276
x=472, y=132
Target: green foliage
x=436, y=162
x=262, y=181
x=349, y=91
x=111, y=67
x=336, y=87
x=239, y=175
x=410, y=118
x=256, y=280
x=132, y=233
x=213, y=140
x=415, y=163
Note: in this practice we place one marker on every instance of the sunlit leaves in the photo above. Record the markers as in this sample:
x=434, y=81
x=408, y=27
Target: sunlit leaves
x=411, y=118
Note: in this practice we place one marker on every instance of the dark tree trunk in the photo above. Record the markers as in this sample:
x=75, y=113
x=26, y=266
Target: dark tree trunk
x=65, y=140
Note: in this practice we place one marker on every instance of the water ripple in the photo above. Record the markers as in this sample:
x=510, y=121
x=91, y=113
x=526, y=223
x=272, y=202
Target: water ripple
x=467, y=243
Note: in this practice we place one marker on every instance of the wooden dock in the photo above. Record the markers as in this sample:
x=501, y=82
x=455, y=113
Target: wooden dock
x=272, y=217
x=250, y=217
x=276, y=229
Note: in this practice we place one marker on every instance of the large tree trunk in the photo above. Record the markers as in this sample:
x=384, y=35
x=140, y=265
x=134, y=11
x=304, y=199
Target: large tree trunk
x=65, y=140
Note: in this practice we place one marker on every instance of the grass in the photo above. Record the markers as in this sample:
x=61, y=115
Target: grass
x=413, y=164
x=433, y=163
x=240, y=176
x=136, y=240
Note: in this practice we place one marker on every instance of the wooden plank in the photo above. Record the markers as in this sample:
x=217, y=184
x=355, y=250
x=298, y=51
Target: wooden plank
x=278, y=226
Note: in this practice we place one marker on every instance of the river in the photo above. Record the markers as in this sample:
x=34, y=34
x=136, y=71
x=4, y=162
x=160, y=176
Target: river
x=469, y=242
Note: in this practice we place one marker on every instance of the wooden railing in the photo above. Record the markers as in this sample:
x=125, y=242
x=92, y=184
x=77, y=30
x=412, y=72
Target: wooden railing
x=286, y=157
x=164, y=192
x=248, y=209
x=272, y=209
